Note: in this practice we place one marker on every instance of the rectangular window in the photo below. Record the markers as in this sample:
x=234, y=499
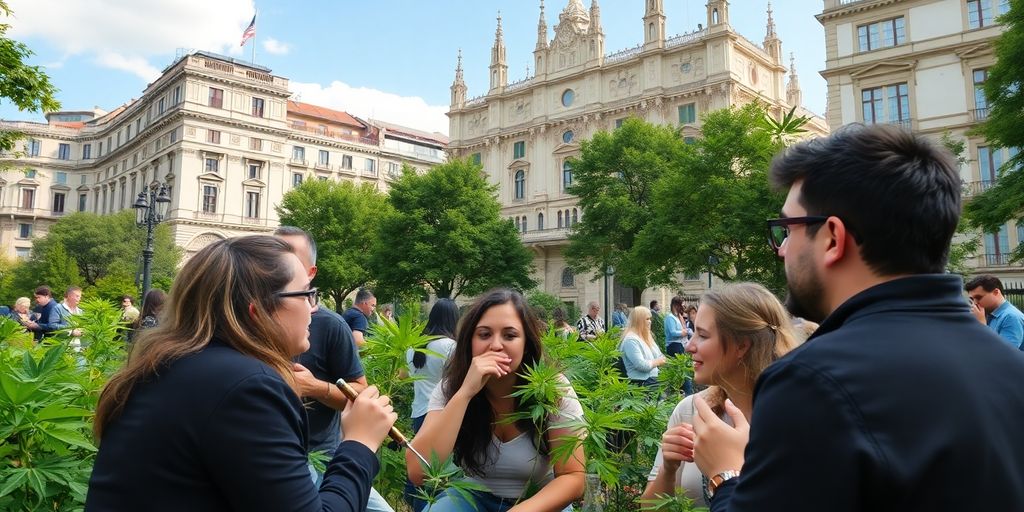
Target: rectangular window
x=216, y=97
x=138, y=125
x=519, y=149
x=174, y=136
x=209, y=199
x=28, y=198
x=888, y=104
x=58, y=202
x=61, y=177
x=255, y=144
x=371, y=166
x=64, y=151
x=688, y=113
x=24, y=230
x=296, y=179
x=252, y=205
x=82, y=179
x=618, y=122
x=124, y=194
x=257, y=107
x=212, y=164
x=997, y=247
x=476, y=158
x=86, y=151
x=160, y=110
x=22, y=253
x=882, y=34
x=979, y=13
x=346, y=161
x=980, y=101
x=393, y=168
x=298, y=153
x=100, y=151
x=213, y=136
x=33, y=147
x=324, y=158
x=254, y=171
x=81, y=202
x=176, y=96
x=128, y=133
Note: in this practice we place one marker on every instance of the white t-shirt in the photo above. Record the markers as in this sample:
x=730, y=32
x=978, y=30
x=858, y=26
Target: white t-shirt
x=516, y=463
x=688, y=477
x=429, y=375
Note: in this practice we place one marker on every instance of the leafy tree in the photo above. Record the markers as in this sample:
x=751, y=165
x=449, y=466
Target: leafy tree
x=1005, y=93
x=445, y=232
x=342, y=218
x=966, y=240
x=709, y=210
x=787, y=130
x=614, y=179
x=25, y=86
x=94, y=251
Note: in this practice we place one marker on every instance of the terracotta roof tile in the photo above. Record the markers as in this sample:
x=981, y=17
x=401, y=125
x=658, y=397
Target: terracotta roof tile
x=334, y=116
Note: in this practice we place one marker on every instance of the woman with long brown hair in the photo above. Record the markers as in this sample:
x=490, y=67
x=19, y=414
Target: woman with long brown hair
x=468, y=412
x=205, y=415
x=738, y=331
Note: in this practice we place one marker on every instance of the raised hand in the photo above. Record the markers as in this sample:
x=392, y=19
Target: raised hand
x=677, y=446
x=484, y=367
x=717, y=446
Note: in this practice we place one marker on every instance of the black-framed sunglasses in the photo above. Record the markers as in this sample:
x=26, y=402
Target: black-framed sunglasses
x=312, y=295
x=778, y=229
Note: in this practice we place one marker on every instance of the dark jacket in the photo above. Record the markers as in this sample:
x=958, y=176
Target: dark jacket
x=218, y=431
x=901, y=401
x=49, y=318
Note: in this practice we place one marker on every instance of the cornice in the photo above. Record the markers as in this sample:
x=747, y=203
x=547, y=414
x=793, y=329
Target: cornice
x=855, y=7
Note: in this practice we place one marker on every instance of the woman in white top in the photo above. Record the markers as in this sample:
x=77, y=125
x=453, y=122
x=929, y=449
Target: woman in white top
x=443, y=319
x=465, y=418
x=739, y=330
x=640, y=353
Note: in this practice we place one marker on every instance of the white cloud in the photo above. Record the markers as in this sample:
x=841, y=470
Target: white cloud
x=276, y=47
x=118, y=34
x=411, y=111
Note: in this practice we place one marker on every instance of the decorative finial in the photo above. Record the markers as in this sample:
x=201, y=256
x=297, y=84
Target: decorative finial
x=771, y=21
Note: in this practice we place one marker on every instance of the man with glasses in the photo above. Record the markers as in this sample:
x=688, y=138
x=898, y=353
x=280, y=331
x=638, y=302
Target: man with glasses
x=590, y=325
x=332, y=355
x=892, y=403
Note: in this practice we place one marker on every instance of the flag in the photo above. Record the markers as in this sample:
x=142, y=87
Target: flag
x=250, y=31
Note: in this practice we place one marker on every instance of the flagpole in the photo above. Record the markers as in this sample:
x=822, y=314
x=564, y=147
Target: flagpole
x=254, y=39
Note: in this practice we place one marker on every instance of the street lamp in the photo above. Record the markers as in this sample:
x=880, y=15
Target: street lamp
x=609, y=272
x=149, y=214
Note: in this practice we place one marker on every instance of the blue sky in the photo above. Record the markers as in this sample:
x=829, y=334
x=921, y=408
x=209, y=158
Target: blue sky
x=392, y=59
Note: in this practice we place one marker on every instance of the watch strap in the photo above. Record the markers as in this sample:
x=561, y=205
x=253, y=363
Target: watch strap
x=715, y=481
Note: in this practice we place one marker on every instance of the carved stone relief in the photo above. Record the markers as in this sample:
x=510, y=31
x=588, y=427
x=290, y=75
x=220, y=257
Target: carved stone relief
x=519, y=110
x=623, y=84
x=477, y=123
x=235, y=140
x=682, y=69
x=190, y=131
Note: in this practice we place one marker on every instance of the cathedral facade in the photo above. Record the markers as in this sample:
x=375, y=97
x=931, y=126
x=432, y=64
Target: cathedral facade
x=523, y=133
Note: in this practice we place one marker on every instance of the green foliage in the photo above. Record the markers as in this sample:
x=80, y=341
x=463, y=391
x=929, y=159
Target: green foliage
x=966, y=240
x=614, y=179
x=47, y=398
x=440, y=476
x=342, y=218
x=445, y=232
x=1005, y=93
x=27, y=87
x=709, y=208
x=547, y=303
x=787, y=130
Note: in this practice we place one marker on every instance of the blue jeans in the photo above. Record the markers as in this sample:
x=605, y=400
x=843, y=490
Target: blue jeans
x=485, y=502
x=376, y=503
x=410, y=491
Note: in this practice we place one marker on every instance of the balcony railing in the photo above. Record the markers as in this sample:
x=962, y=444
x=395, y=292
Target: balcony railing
x=223, y=218
x=903, y=123
x=994, y=260
x=973, y=188
x=980, y=114
x=544, y=235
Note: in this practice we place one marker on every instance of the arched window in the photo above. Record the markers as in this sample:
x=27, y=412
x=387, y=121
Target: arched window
x=714, y=17
x=524, y=224
x=567, y=218
x=518, y=225
x=568, y=278
x=575, y=218
x=650, y=31
x=540, y=221
x=566, y=175
x=520, y=188
x=560, y=220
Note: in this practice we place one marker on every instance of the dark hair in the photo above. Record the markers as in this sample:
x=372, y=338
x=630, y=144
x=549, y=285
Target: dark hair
x=227, y=292
x=676, y=306
x=294, y=231
x=897, y=193
x=72, y=289
x=471, y=446
x=363, y=295
x=443, y=319
x=558, y=316
x=152, y=303
x=986, y=282
x=43, y=291
x=653, y=304
x=129, y=297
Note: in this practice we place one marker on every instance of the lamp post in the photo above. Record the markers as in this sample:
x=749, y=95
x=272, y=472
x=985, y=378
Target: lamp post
x=609, y=272
x=712, y=261
x=149, y=212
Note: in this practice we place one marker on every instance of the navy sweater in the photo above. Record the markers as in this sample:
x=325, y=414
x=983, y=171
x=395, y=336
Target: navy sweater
x=901, y=401
x=218, y=430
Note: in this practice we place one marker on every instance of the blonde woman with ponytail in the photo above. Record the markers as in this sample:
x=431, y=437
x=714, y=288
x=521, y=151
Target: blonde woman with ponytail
x=739, y=330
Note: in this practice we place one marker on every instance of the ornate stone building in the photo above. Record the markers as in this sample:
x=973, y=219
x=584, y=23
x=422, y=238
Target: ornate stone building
x=921, y=64
x=523, y=132
x=221, y=133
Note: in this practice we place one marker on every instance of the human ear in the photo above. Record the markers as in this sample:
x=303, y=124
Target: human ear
x=835, y=235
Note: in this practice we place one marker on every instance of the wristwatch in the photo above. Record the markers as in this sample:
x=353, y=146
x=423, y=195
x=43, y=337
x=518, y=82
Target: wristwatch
x=720, y=479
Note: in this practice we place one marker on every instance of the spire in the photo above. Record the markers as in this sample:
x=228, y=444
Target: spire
x=771, y=24
x=459, y=85
x=654, y=24
x=499, y=38
x=499, y=68
x=794, y=96
x=595, y=18
x=542, y=29
x=772, y=43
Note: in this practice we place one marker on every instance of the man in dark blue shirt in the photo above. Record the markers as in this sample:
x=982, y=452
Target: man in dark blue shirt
x=48, y=311
x=358, y=316
x=901, y=401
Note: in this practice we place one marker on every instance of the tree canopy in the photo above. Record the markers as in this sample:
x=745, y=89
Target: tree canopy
x=342, y=218
x=27, y=87
x=1004, y=89
x=444, y=232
